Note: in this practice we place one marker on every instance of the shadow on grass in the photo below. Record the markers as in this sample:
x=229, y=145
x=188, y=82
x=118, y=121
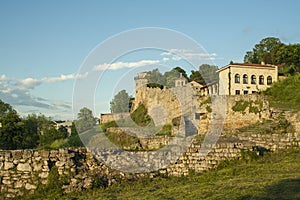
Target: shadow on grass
x=285, y=189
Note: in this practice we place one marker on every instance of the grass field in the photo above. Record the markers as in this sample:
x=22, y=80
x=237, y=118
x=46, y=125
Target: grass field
x=274, y=176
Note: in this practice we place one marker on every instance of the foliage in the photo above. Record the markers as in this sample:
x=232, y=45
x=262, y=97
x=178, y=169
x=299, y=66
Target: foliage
x=196, y=76
x=166, y=130
x=108, y=125
x=155, y=76
x=264, y=51
x=208, y=109
x=140, y=116
x=11, y=132
x=208, y=72
x=206, y=101
x=124, y=140
x=155, y=85
x=272, y=51
x=85, y=120
x=51, y=190
x=120, y=102
x=285, y=94
x=254, y=106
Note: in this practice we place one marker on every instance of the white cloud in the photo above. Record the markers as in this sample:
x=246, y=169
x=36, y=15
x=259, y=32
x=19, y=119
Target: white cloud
x=28, y=83
x=63, y=77
x=18, y=92
x=120, y=65
x=2, y=77
x=165, y=59
x=178, y=54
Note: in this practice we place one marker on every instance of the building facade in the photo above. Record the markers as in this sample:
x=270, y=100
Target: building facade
x=237, y=79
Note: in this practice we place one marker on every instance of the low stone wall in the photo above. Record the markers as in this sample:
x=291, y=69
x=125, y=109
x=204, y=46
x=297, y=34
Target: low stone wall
x=23, y=170
x=108, y=117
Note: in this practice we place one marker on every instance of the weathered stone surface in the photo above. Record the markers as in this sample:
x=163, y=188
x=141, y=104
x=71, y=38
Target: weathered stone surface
x=8, y=165
x=24, y=167
x=29, y=186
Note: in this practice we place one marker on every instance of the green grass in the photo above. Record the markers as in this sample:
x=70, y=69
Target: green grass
x=140, y=116
x=285, y=94
x=273, y=176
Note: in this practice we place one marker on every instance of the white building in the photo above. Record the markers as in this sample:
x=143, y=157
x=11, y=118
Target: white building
x=236, y=79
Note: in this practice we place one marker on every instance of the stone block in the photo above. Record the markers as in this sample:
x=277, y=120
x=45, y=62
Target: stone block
x=24, y=167
x=29, y=186
x=8, y=165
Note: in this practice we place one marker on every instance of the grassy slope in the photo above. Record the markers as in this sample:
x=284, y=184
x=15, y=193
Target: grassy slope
x=274, y=176
x=285, y=94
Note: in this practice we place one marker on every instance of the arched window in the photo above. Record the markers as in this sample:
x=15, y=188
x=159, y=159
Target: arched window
x=245, y=79
x=253, y=79
x=269, y=80
x=261, y=80
x=237, y=78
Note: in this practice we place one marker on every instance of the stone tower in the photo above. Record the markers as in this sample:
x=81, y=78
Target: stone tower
x=140, y=80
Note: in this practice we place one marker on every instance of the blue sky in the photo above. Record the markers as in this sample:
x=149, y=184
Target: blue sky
x=44, y=43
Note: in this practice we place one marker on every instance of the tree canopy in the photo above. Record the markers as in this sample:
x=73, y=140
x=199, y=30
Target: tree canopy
x=85, y=120
x=120, y=102
x=271, y=50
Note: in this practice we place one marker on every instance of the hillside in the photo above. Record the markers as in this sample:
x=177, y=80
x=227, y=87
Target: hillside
x=285, y=94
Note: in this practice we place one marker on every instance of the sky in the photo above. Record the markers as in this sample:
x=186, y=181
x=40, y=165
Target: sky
x=58, y=56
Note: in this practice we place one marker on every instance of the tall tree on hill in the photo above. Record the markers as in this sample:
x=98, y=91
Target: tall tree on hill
x=265, y=51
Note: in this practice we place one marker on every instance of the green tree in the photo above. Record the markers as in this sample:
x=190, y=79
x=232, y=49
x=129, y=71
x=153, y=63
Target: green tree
x=11, y=131
x=85, y=120
x=120, y=102
x=155, y=76
x=31, y=134
x=4, y=109
x=265, y=51
x=196, y=76
x=208, y=72
x=62, y=132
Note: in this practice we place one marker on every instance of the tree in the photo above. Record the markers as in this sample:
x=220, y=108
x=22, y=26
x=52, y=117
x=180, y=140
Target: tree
x=155, y=76
x=120, y=102
x=208, y=72
x=11, y=131
x=265, y=51
x=31, y=132
x=85, y=120
x=196, y=76
x=62, y=132
x=4, y=109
